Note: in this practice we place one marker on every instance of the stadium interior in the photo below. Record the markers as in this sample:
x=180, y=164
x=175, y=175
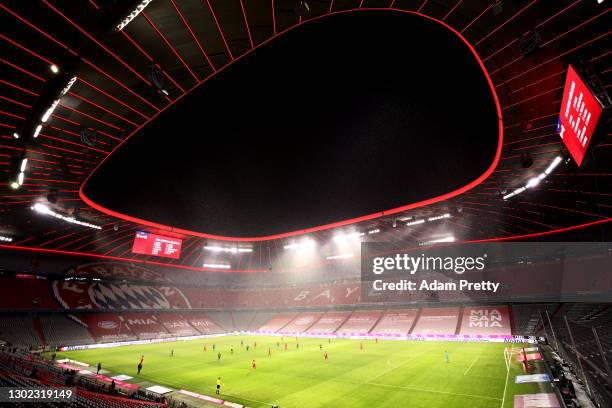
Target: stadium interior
x=193, y=192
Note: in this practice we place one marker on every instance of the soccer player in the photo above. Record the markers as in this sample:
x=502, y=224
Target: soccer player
x=241, y=343
x=142, y=359
x=285, y=346
x=219, y=356
x=320, y=347
x=329, y=340
x=205, y=349
x=214, y=346
x=99, y=367
x=139, y=367
x=253, y=365
x=376, y=340
x=232, y=350
x=325, y=355
x=218, y=385
x=297, y=346
x=360, y=346
x=269, y=352
x=446, y=355
x=247, y=347
x=254, y=344
x=172, y=353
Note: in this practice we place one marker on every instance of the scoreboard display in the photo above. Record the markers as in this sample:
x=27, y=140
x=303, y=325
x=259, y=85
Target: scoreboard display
x=146, y=243
x=580, y=112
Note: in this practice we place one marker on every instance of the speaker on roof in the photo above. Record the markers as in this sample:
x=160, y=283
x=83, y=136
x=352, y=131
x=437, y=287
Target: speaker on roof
x=529, y=42
x=302, y=8
x=89, y=137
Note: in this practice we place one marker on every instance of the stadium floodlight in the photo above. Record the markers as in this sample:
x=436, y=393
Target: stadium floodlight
x=535, y=181
x=56, y=102
x=515, y=192
x=49, y=111
x=37, y=131
x=45, y=210
x=304, y=244
x=342, y=237
x=16, y=135
x=448, y=238
x=5, y=239
x=373, y=231
x=439, y=217
x=233, y=250
x=415, y=222
x=553, y=165
x=217, y=266
x=17, y=170
x=132, y=15
x=339, y=256
x=54, y=68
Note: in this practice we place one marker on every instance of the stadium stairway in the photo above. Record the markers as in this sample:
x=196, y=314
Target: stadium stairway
x=459, y=321
x=416, y=319
x=38, y=329
x=314, y=322
x=377, y=320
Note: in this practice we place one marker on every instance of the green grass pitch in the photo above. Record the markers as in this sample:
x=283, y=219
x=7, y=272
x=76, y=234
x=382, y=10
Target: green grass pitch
x=384, y=374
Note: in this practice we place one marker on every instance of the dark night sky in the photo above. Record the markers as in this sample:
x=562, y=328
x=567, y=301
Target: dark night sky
x=343, y=117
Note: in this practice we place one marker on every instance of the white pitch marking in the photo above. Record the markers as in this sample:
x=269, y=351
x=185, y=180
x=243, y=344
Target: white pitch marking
x=435, y=391
x=471, y=365
x=505, y=386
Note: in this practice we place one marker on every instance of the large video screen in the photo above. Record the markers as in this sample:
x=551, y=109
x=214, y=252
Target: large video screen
x=146, y=243
x=580, y=112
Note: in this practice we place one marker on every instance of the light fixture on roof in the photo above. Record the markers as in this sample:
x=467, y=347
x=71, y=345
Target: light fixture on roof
x=5, y=239
x=448, y=238
x=342, y=237
x=535, y=181
x=233, y=250
x=304, y=244
x=56, y=102
x=374, y=231
x=54, y=68
x=17, y=170
x=339, y=256
x=415, y=222
x=132, y=15
x=45, y=210
x=217, y=266
x=439, y=217
x=37, y=131
x=16, y=135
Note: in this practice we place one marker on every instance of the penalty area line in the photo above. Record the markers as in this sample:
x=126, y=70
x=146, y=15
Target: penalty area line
x=471, y=365
x=435, y=391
